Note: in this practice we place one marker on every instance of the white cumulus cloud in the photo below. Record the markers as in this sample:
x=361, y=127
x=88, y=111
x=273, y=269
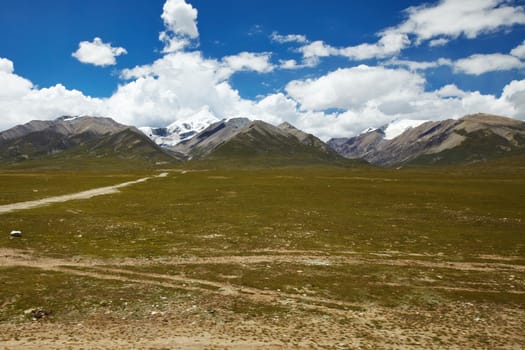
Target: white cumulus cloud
x=21, y=101
x=12, y=86
x=257, y=62
x=6, y=66
x=514, y=93
x=98, y=53
x=519, y=51
x=388, y=45
x=450, y=90
x=318, y=49
x=479, y=64
x=173, y=87
x=354, y=88
x=180, y=21
x=293, y=64
x=180, y=17
x=454, y=18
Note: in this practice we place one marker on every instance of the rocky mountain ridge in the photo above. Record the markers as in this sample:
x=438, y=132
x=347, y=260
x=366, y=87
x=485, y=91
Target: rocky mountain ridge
x=473, y=138
x=241, y=137
x=75, y=137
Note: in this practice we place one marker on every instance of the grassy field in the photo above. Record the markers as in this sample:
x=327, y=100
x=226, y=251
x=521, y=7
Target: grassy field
x=342, y=257
x=21, y=187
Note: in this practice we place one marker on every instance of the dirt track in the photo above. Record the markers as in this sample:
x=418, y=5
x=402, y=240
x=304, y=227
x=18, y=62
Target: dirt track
x=99, y=269
x=7, y=208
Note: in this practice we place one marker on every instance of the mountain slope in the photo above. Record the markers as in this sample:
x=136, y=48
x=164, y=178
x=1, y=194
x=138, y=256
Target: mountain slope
x=306, y=139
x=242, y=139
x=362, y=146
x=129, y=143
x=469, y=139
x=74, y=138
x=205, y=142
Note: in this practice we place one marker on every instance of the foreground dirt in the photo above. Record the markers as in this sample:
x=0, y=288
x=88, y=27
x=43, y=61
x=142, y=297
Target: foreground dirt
x=205, y=319
x=375, y=328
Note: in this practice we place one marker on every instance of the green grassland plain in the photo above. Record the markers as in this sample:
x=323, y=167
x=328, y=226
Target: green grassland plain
x=304, y=257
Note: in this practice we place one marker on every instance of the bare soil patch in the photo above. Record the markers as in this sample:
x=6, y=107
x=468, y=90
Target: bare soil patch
x=206, y=321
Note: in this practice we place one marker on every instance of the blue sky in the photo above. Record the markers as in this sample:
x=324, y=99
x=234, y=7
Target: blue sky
x=332, y=68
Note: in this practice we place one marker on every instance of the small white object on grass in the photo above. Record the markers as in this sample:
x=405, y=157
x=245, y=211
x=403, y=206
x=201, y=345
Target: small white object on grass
x=16, y=233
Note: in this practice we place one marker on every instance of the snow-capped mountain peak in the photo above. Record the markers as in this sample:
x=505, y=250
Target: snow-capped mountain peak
x=182, y=129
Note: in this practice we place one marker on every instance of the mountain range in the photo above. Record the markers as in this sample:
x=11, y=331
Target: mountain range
x=71, y=138
x=242, y=138
x=473, y=138
x=470, y=139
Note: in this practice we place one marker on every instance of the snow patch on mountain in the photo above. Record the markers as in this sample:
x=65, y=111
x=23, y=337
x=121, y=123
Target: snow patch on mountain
x=367, y=130
x=398, y=127
x=180, y=130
